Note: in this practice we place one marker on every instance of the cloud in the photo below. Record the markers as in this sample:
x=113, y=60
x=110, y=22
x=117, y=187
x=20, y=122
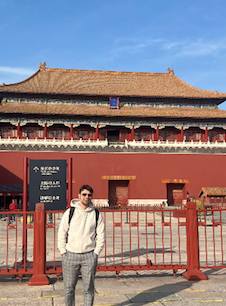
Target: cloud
x=180, y=48
x=171, y=45
x=130, y=48
x=194, y=49
x=17, y=71
x=127, y=45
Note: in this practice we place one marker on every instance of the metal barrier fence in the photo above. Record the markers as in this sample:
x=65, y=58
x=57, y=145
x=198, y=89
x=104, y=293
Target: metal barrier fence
x=136, y=239
x=140, y=239
x=16, y=238
x=212, y=238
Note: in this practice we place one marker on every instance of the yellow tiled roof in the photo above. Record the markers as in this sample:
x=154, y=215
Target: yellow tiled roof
x=108, y=83
x=213, y=191
x=20, y=108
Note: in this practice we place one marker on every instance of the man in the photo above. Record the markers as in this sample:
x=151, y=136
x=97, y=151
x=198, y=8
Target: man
x=12, y=207
x=80, y=241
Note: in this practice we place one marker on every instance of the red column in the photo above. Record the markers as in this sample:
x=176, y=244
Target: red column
x=69, y=180
x=39, y=278
x=25, y=182
x=132, y=133
x=97, y=132
x=193, y=271
x=71, y=132
x=182, y=134
x=45, y=131
x=18, y=130
x=206, y=134
x=24, y=207
x=157, y=133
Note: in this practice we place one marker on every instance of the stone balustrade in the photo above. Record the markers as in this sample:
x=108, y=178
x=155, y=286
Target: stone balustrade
x=52, y=142
x=175, y=143
x=55, y=144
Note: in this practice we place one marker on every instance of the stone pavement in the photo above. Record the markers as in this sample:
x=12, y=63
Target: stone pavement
x=134, y=289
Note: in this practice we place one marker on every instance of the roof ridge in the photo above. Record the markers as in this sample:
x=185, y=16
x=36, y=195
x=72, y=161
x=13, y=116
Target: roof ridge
x=106, y=71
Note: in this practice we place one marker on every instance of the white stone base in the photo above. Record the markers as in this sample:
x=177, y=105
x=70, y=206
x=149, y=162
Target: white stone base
x=131, y=202
x=151, y=202
x=100, y=202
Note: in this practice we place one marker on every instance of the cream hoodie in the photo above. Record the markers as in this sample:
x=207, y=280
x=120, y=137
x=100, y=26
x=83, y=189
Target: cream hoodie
x=81, y=234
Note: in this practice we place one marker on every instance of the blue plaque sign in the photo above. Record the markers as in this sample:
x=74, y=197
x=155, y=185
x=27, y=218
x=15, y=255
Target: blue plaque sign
x=114, y=102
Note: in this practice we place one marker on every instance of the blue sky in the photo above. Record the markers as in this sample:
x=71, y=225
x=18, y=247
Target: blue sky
x=124, y=35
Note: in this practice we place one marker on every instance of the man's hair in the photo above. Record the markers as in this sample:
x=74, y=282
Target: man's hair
x=87, y=187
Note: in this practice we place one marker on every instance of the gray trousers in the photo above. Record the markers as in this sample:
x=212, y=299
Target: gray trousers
x=72, y=263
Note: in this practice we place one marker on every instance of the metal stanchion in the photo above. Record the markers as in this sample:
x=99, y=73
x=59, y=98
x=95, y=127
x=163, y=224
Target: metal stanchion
x=127, y=217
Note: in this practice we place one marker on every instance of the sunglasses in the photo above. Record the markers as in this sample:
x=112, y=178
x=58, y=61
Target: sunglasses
x=87, y=194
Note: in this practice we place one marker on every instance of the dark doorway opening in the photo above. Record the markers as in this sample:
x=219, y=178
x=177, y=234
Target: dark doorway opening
x=176, y=193
x=113, y=136
x=6, y=199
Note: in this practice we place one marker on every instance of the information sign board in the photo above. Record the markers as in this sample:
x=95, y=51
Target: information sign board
x=48, y=184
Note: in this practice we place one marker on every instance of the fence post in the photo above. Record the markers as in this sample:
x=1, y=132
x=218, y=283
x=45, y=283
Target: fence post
x=24, y=207
x=193, y=272
x=39, y=258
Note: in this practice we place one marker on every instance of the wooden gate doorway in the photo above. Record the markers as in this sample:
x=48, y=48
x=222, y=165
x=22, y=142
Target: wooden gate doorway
x=175, y=193
x=118, y=193
x=176, y=190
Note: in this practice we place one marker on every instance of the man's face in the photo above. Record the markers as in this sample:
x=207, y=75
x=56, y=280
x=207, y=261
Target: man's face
x=85, y=197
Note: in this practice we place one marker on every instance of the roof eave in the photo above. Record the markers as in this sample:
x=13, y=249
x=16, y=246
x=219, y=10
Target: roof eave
x=217, y=100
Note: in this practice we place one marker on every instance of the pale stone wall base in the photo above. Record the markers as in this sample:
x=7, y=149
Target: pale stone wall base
x=131, y=202
x=100, y=202
x=151, y=202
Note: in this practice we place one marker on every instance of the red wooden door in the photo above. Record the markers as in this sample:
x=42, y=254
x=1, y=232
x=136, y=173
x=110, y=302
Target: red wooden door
x=177, y=197
x=175, y=193
x=118, y=193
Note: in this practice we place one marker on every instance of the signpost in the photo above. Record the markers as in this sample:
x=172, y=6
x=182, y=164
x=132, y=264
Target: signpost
x=48, y=184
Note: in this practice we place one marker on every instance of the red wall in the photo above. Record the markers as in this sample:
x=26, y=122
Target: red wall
x=149, y=169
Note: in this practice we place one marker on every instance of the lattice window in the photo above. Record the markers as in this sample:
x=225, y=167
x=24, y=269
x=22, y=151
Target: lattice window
x=57, y=134
x=24, y=133
x=76, y=135
x=193, y=135
x=32, y=133
x=66, y=134
x=40, y=134
x=170, y=135
x=83, y=134
x=143, y=135
x=50, y=134
x=102, y=135
x=123, y=135
x=14, y=133
x=216, y=135
x=8, y=132
x=221, y=137
x=198, y=136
